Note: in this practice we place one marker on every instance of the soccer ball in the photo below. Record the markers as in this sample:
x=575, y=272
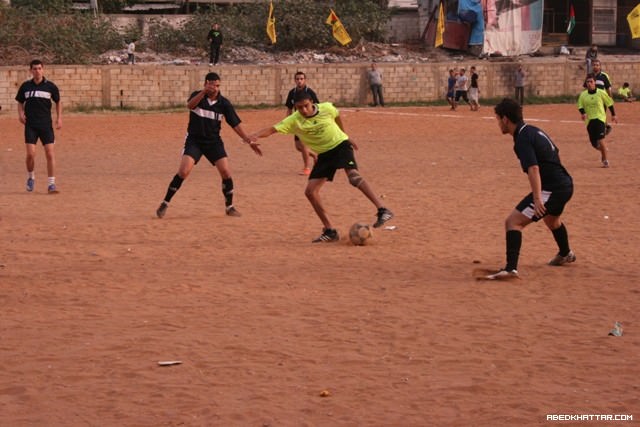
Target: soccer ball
x=359, y=233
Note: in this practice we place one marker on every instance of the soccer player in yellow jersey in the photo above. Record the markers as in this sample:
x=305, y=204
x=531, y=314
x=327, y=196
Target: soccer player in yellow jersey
x=593, y=104
x=320, y=128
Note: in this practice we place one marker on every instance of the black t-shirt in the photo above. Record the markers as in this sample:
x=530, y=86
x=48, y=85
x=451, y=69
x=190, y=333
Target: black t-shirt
x=534, y=147
x=205, y=120
x=36, y=99
x=292, y=94
x=474, y=80
x=215, y=37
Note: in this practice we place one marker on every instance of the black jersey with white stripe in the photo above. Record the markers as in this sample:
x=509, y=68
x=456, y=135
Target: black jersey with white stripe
x=534, y=147
x=292, y=94
x=205, y=120
x=36, y=99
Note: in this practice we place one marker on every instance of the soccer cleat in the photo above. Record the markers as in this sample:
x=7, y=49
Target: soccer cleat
x=383, y=215
x=52, y=189
x=561, y=260
x=605, y=163
x=607, y=130
x=503, y=275
x=162, y=209
x=31, y=183
x=305, y=171
x=328, y=235
x=231, y=211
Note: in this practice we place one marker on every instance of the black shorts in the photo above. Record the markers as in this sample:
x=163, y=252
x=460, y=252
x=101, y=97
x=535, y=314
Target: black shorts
x=340, y=157
x=213, y=151
x=596, y=129
x=31, y=135
x=554, y=202
x=461, y=94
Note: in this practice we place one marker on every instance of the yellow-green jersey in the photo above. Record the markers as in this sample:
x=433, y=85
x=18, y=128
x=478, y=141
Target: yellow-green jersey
x=624, y=92
x=595, y=104
x=319, y=132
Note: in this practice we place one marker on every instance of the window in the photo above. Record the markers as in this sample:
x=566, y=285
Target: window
x=604, y=20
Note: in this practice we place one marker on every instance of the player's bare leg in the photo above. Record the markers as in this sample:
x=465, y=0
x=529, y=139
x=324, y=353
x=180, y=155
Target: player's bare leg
x=361, y=184
x=51, y=159
x=51, y=167
x=31, y=157
x=602, y=148
x=30, y=162
x=312, y=192
x=355, y=179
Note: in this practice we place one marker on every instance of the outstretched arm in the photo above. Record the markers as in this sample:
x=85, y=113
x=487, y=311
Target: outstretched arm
x=263, y=133
x=248, y=139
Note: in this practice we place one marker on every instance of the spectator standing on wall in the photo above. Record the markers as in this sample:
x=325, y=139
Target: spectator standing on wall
x=519, y=84
x=215, y=41
x=131, y=49
x=592, y=53
x=375, y=82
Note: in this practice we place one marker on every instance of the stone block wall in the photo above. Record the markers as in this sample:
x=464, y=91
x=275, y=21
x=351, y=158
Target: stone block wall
x=145, y=86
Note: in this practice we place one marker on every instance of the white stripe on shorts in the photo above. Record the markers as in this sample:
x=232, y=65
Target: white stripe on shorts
x=529, y=211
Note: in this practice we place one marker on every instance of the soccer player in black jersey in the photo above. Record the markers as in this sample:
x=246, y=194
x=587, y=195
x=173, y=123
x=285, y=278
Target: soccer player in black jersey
x=207, y=109
x=34, y=112
x=551, y=188
x=301, y=86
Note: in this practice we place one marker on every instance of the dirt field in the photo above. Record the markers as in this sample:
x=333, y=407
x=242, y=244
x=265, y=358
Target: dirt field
x=95, y=290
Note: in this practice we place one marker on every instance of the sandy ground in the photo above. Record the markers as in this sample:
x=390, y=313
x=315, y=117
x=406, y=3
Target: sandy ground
x=95, y=290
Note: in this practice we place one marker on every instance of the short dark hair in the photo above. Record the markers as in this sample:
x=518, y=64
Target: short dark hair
x=301, y=96
x=510, y=109
x=299, y=73
x=210, y=77
x=35, y=62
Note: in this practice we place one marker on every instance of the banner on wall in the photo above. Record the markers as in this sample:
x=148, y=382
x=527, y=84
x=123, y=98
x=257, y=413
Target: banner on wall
x=512, y=27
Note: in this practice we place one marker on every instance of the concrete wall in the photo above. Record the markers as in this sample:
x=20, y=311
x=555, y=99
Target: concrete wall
x=152, y=86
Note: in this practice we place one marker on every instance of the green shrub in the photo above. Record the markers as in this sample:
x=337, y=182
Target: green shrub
x=48, y=29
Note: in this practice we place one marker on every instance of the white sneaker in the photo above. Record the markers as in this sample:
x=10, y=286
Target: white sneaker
x=561, y=260
x=503, y=275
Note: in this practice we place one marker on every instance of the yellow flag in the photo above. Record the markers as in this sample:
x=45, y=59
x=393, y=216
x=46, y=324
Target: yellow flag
x=633, y=19
x=339, y=32
x=271, y=25
x=440, y=27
